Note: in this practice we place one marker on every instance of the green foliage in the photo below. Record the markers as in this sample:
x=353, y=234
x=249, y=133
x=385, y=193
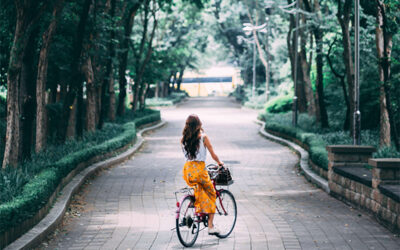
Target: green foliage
x=24, y=190
x=317, y=139
x=279, y=104
x=171, y=100
x=256, y=102
x=386, y=152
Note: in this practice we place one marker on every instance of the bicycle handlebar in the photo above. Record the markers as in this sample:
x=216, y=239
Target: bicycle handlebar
x=213, y=168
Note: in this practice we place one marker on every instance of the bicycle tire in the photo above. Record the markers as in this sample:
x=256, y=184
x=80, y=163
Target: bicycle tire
x=187, y=210
x=220, y=218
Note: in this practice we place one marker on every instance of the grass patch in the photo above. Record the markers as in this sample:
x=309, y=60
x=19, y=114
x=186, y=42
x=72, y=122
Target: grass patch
x=26, y=189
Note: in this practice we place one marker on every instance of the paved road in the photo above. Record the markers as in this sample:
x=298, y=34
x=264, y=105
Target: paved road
x=132, y=206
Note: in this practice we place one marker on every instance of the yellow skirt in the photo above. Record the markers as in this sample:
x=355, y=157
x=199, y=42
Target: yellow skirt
x=196, y=176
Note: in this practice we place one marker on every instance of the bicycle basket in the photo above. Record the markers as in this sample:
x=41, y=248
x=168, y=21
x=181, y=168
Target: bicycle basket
x=224, y=177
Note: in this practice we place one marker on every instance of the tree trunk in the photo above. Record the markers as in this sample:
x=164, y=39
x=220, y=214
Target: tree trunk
x=384, y=43
x=27, y=93
x=41, y=112
x=71, y=128
x=321, y=113
x=179, y=81
x=343, y=16
x=123, y=58
x=290, y=40
x=138, y=79
x=157, y=90
x=174, y=79
x=305, y=67
x=384, y=132
x=76, y=75
x=110, y=68
x=91, y=97
x=143, y=96
x=342, y=84
x=79, y=108
x=111, y=96
x=13, y=144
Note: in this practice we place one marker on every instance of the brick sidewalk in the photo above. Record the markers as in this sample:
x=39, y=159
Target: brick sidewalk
x=132, y=205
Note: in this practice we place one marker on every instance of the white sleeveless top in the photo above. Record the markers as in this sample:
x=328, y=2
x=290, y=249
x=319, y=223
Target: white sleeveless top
x=201, y=153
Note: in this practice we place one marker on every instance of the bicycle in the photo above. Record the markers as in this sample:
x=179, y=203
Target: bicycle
x=188, y=221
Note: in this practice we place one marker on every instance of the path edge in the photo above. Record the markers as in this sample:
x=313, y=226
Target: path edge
x=310, y=175
x=54, y=217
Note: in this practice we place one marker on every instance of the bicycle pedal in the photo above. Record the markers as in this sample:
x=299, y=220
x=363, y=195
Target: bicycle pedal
x=189, y=221
x=194, y=229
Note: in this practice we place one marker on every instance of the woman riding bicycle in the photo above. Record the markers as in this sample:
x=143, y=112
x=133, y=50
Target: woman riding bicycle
x=194, y=144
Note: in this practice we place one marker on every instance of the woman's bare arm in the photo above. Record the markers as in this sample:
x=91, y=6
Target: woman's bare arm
x=208, y=145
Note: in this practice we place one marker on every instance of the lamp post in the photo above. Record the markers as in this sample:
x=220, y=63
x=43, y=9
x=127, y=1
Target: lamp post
x=249, y=28
x=294, y=111
x=253, y=89
x=357, y=113
x=268, y=13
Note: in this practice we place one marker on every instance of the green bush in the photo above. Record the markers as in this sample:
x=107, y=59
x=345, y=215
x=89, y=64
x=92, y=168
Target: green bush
x=38, y=183
x=282, y=123
x=317, y=139
x=172, y=99
x=386, y=152
x=255, y=102
x=158, y=102
x=279, y=104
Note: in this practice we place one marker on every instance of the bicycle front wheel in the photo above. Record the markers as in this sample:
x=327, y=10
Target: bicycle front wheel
x=187, y=224
x=226, y=213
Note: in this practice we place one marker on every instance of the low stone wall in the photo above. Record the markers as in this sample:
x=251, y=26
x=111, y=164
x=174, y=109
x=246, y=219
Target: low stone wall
x=320, y=171
x=376, y=190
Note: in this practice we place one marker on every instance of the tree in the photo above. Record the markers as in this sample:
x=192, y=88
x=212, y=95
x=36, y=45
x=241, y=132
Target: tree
x=387, y=25
x=28, y=14
x=128, y=21
x=343, y=16
x=75, y=86
x=321, y=113
x=142, y=54
x=41, y=117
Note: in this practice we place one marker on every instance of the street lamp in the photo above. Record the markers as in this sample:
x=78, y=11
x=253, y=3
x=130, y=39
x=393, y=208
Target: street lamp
x=249, y=28
x=294, y=113
x=268, y=10
x=357, y=113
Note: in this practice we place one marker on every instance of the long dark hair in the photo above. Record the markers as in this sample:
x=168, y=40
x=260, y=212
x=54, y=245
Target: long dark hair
x=190, y=136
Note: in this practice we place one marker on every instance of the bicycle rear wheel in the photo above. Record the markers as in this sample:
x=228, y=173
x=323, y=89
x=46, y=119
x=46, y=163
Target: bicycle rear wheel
x=226, y=213
x=187, y=225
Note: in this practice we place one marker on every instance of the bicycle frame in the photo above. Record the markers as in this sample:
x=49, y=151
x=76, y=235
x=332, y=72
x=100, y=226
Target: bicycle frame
x=189, y=194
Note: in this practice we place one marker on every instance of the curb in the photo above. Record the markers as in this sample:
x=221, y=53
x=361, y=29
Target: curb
x=49, y=223
x=308, y=173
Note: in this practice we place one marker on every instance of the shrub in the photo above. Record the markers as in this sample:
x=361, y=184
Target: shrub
x=154, y=102
x=282, y=123
x=386, y=152
x=28, y=188
x=255, y=102
x=279, y=104
x=173, y=98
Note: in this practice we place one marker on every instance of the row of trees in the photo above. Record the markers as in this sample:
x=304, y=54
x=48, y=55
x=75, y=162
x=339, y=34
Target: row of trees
x=325, y=58
x=74, y=59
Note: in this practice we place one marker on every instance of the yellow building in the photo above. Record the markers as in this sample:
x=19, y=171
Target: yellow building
x=216, y=81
